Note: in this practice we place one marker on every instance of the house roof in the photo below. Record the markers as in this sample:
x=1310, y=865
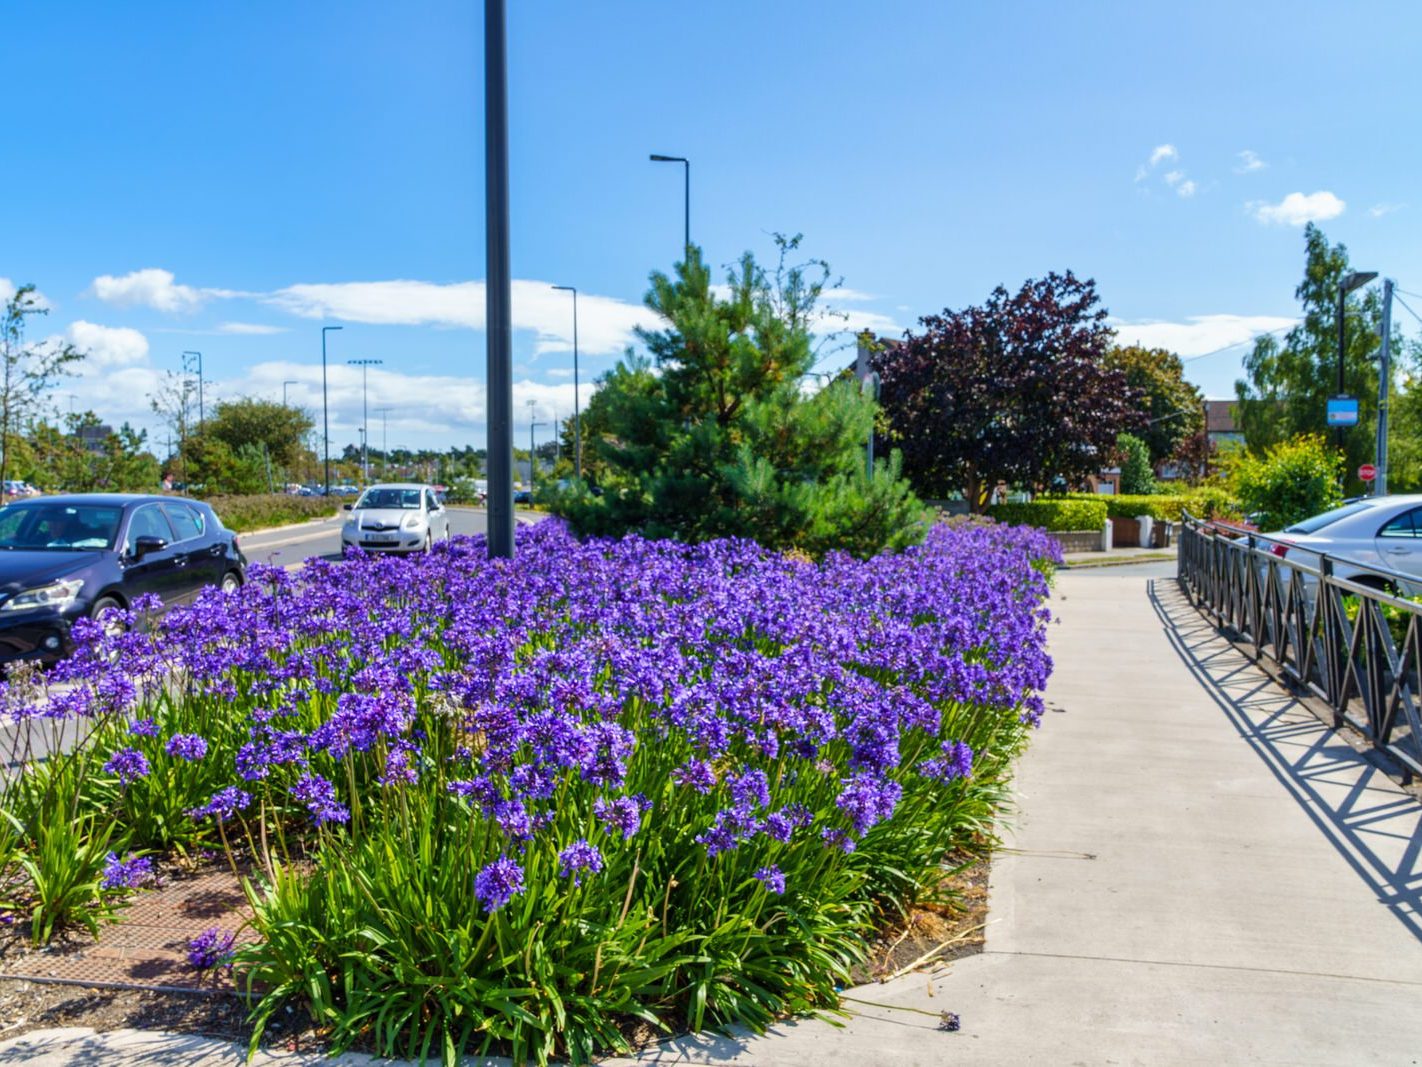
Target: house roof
x=1219, y=417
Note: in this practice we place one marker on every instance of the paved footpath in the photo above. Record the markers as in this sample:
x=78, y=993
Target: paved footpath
x=1198, y=872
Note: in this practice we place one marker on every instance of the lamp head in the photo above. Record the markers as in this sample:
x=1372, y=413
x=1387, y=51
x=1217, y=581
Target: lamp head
x=666, y=159
x=1356, y=280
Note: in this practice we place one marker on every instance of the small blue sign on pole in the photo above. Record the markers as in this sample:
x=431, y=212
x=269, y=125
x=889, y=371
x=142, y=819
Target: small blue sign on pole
x=1342, y=411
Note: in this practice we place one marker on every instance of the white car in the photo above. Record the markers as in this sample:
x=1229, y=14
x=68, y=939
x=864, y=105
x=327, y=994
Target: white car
x=1383, y=532
x=402, y=517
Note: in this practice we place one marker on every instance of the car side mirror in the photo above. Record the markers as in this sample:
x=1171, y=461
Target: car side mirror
x=347, y=507
x=146, y=544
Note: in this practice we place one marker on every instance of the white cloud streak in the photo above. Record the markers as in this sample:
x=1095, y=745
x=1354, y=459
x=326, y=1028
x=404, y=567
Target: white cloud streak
x=107, y=346
x=1298, y=208
x=1198, y=334
x=1249, y=162
x=1163, y=153
x=155, y=288
x=255, y=329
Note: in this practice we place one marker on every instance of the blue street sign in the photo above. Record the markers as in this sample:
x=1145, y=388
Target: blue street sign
x=1342, y=411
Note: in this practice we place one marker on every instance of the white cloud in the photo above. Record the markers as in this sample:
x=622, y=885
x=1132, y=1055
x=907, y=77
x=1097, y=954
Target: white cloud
x=1298, y=208
x=1174, y=177
x=1377, y=211
x=1163, y=153
x=107, y=346
x=1249, y=162
x=1185, y=189
x=155, y=288
x=605, y=324
x=1198, y=334
x=253, y=328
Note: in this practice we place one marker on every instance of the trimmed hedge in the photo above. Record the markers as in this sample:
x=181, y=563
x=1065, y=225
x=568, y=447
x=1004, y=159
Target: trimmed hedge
x=243, y=514
x=1164, y=507
x=1056, y=515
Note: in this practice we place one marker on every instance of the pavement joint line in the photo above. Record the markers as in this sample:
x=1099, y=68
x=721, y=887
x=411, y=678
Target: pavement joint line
x=1242, y=969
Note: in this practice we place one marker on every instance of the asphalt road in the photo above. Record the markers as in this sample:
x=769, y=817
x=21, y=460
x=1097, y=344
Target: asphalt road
x=292, y=546
x=1161, y=568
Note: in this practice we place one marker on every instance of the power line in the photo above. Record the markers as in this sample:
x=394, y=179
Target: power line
x=1404, y=303
x=1237, y=344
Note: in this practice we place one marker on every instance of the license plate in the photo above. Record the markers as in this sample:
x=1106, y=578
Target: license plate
x=382, y=539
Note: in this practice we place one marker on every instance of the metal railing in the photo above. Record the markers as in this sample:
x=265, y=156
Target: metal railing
x=1350, y=641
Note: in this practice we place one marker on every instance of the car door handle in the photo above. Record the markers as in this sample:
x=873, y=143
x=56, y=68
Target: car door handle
x=1398, y=550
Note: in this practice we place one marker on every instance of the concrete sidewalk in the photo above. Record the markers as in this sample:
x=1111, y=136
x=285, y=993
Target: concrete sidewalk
x=1199, y=872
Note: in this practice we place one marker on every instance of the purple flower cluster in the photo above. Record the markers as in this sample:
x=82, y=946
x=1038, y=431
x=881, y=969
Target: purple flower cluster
x=186, y=746
x=786, y=705
x=129, y=764
x=126, y=874
x=498, y=883
x=210, y=949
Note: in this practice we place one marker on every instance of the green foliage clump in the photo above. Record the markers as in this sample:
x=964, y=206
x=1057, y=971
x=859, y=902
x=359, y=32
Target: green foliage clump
x=243, y=514
x=715, y=436
x=1055, y=515
x=1137, y=477
x=1174, y=409
x=1289, y=482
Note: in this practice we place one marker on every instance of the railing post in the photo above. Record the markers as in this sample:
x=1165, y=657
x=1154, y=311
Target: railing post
x=1332, y=638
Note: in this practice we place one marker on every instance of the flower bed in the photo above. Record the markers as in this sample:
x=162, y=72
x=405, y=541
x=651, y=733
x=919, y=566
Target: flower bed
x=514, y=807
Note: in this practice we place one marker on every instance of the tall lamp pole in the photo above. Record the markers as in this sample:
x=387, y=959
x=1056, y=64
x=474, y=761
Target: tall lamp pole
x=498, y=315
x=1385, y=373
x=532, y=456
x=199, y=377
x=325, y=407
x=384, y=441
x=1352, y=280
x=577, y=418
x=364, y=365
x=686, y=214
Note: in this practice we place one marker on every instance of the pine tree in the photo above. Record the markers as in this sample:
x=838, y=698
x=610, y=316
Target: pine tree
x=712, y=433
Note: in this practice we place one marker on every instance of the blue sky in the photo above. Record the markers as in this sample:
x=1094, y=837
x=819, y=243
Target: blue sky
x=229, y=178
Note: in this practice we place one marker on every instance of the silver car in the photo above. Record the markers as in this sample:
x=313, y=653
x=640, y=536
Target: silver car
x=401, y=517
x=1384, y=531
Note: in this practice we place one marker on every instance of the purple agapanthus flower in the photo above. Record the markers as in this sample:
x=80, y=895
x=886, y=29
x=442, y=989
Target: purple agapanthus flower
x=144, y=728
x=126, y=874
x=186, y=746
x=577, y=859
x=224, y=804
x=498, y=883
x=211, y=948
x=129, y=764
x=319, y=796
x=772, y=878
x=620, y=815
x=956, y=761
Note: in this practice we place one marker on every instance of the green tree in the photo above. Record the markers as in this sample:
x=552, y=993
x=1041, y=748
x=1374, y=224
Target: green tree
x=714, y=434
x=1137, y=477
x=1288, y=482
x=66, y=458
x=1174, y=408
x=26, y=370
x=249, y=420
x=1288, y=382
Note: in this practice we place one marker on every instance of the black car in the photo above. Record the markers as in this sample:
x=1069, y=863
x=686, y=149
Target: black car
x=68, y=557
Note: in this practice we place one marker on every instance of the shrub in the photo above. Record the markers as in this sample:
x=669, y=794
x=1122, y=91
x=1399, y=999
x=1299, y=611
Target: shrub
x=1289, y=482
x=508, y=806
x=244, y=514
x=1056, y=515
x=1137, y=477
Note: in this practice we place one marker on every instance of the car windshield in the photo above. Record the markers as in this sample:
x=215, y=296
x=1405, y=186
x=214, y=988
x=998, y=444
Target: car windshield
x=64, y=527
x=408, y=499
x=1328, y=518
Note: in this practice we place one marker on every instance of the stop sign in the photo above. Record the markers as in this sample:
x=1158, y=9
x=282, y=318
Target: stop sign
x=1367, y=472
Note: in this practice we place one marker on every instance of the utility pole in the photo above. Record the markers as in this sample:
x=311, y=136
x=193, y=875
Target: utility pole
x=532, y=456
x=384, y=442
x=199, y=378
x=365, y=365
x=498, y=313
x=1380, y=482
x=325, y=407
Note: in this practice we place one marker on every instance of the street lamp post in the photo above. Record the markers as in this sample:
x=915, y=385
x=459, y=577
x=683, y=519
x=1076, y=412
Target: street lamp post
x=870, y=387
x=532, y=457
x=384, y=441
x=364, y=365
x=577, y=418
x=498, y=286
x=1352, y=280
x=289, y=381
x=199, y=378
x=325, y=407
x=686, y=214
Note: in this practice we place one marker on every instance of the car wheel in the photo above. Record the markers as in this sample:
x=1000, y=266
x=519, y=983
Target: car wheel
x=106, y=612
x=231, y=582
